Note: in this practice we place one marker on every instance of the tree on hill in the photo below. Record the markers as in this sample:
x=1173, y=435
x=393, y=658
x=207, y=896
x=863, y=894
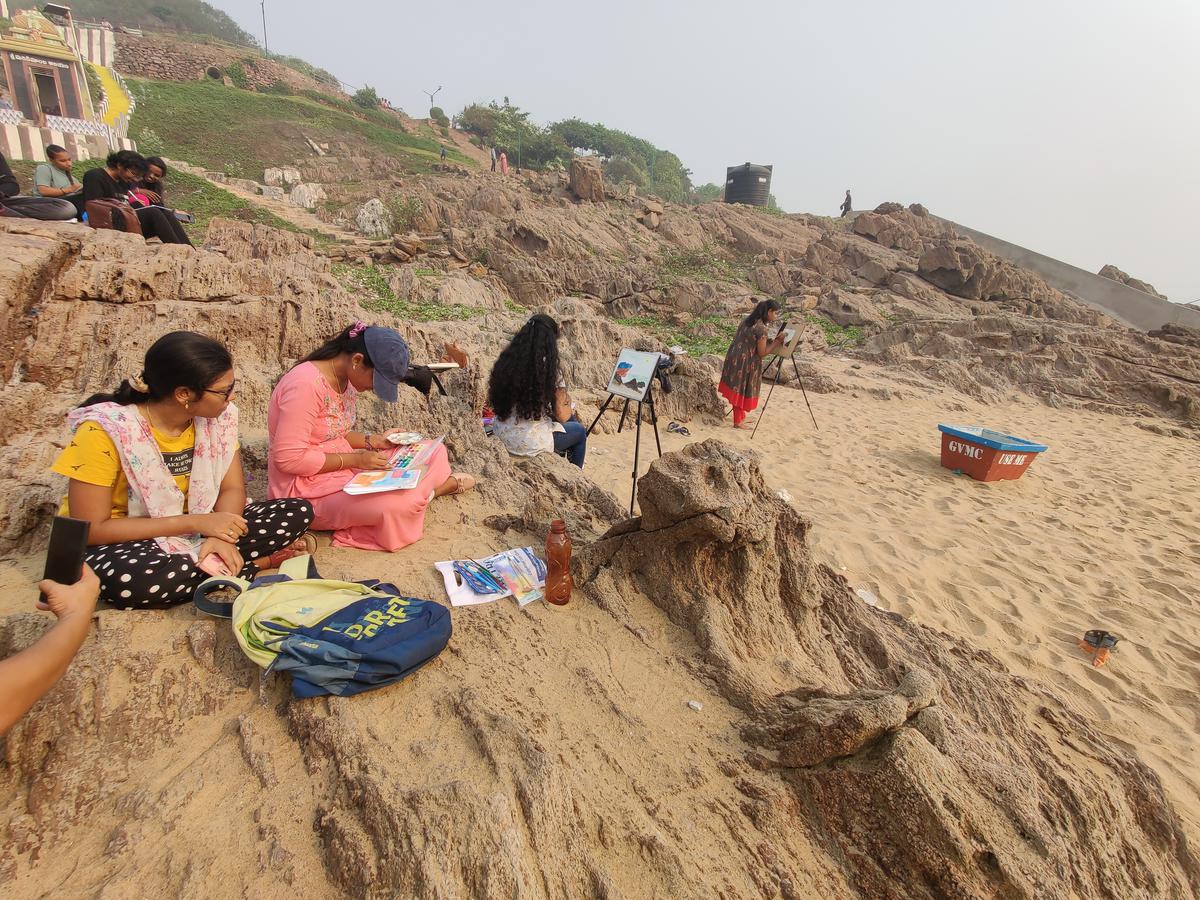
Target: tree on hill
x=508, y=128
x=629, y=158
x=706, y=193
x=185, y=16
x=366, y=98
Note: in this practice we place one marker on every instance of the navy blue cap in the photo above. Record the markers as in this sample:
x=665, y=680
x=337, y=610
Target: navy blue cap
x=389, y=355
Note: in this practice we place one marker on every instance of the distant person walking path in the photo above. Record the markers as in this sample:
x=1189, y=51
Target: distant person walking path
x=846, y=205
x=503, y=163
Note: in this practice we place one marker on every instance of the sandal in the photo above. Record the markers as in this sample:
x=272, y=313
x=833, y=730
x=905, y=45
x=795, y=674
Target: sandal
x=676, y=428
x=465, y=482
x=306, y=543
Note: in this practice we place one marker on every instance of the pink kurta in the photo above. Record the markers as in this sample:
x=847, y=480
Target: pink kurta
x=308, y=419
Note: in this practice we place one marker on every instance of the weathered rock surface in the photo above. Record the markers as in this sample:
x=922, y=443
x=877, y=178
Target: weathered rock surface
x=1111, y=271
x=926, y=769
x=373, y=219
x=587, y=181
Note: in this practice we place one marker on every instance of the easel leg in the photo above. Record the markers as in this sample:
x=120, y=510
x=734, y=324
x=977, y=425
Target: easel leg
x=778, y=363
x=599, y=414
x=654, y=419
x=796, y=366
x=624, y=413
x=637, y=448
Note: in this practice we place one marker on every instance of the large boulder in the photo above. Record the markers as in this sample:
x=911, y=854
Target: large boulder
x=282, y=176
x=373, y=219
x=306, y=195
x=587, y=181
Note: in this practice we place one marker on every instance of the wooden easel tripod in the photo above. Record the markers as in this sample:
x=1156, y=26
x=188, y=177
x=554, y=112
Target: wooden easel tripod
x=637, y=441
x=777, y=362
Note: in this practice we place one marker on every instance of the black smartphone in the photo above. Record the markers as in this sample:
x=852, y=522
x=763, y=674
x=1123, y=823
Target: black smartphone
x=64, y=555
x=185, y=218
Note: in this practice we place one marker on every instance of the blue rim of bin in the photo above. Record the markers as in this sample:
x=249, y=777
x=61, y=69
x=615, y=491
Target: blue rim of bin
x=994, y=439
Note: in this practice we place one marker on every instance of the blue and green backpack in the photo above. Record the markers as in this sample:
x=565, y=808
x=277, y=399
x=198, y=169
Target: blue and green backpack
x=333, y=637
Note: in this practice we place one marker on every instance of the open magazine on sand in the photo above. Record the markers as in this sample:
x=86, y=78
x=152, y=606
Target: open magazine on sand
x=408, y=465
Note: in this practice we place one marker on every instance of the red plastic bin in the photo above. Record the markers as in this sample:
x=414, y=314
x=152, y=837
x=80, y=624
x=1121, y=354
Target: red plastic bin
x=986, y=455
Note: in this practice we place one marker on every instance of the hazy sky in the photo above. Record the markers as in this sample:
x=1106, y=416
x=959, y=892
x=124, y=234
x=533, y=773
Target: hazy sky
x=1068, y=126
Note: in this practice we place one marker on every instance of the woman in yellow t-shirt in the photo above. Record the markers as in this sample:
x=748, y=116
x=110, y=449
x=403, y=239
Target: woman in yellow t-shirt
x=156, y=469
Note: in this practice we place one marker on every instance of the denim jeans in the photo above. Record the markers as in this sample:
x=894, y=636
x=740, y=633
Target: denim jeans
x=573, y=441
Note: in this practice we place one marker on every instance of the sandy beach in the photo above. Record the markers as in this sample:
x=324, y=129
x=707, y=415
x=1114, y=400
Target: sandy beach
x=1100, y=533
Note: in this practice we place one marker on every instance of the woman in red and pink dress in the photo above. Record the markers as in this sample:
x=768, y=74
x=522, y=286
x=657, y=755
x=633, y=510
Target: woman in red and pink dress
x=315, y=449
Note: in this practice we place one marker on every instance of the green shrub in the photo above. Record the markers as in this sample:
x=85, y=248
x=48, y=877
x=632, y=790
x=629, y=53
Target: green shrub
x=95, y=88
x=439, y=116
x=366, y=97
x=405, y=211
x=278, y=86
x=236, y=73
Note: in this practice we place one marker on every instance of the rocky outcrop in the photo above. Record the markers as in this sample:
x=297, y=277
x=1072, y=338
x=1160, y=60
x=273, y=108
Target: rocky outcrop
x=587, y=180
x=82, y=306
x=306, y=195
x=1111, y=271
x=916, y=761
x=168, y=59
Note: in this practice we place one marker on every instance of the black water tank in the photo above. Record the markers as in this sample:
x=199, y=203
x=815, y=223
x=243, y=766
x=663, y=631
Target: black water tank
x=748, y=184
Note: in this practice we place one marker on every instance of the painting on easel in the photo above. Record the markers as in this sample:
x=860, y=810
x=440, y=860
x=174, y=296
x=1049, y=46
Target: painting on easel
x=632, y=374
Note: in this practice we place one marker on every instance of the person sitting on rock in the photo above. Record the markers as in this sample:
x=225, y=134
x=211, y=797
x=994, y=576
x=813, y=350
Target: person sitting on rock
x=122, y=171
x=153, y=185
x=741, y=375
x=27, y=676
x=315, y=450
x=156, y=468
x=54, y=178
x=47, y=209
x=527, y=393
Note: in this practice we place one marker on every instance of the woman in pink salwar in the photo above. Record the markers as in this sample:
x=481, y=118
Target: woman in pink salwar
x=315, y=451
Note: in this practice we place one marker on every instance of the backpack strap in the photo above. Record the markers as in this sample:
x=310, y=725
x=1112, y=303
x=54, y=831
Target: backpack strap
x=299, y=567
x=222, y=609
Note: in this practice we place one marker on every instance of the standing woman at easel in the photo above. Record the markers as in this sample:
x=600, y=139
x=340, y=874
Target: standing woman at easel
x=741, y=376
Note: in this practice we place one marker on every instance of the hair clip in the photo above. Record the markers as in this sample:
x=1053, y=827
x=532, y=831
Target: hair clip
x=357, y=328
x=138, y=383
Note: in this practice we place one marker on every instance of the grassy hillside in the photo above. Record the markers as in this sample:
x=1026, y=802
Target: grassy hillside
x=241, y=132
x=190, y=16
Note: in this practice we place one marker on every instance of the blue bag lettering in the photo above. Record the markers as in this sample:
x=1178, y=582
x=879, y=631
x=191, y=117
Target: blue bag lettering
x=366, y=644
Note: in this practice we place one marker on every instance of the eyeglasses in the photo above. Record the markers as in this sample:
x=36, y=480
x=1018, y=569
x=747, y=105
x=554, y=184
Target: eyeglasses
x=225, y=394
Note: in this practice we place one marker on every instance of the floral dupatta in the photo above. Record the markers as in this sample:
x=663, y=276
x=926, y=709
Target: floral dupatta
x=153, y=492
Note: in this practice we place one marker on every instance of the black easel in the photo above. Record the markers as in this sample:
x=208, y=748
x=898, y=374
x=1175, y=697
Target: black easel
x=777, y=362
x=637, y=441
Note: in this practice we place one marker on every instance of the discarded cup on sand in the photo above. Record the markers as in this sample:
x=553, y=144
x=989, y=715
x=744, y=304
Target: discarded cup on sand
x=866, y=596
x=696, y=705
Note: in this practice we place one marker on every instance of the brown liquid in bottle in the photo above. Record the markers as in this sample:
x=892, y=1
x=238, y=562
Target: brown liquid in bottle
x=558, y=564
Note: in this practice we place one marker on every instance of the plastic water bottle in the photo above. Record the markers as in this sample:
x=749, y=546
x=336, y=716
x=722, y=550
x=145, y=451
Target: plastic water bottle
x=558, y=564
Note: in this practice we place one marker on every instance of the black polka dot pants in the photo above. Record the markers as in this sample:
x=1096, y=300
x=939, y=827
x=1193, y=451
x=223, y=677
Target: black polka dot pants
x=141, y=575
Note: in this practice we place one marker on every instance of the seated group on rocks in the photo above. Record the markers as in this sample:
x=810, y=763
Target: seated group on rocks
x=125, y=178
x=155, y=467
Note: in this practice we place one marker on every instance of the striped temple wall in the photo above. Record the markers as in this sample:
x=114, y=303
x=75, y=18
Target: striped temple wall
x=25, y=141
x=95, y=44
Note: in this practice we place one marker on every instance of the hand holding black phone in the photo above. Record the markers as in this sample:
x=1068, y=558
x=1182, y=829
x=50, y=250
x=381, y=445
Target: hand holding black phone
x=64, y=555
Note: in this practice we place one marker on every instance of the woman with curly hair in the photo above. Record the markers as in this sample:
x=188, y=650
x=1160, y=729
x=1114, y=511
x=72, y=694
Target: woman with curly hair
x=534, y=412
x=741, y=376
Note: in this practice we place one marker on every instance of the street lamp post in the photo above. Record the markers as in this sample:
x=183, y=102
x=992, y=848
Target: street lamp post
x=263, y=5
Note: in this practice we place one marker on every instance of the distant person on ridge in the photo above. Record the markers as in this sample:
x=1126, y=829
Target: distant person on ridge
x=741, y=376
x=443, y=152
x=503, y=163
x=846, y=207
x=493, y=159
